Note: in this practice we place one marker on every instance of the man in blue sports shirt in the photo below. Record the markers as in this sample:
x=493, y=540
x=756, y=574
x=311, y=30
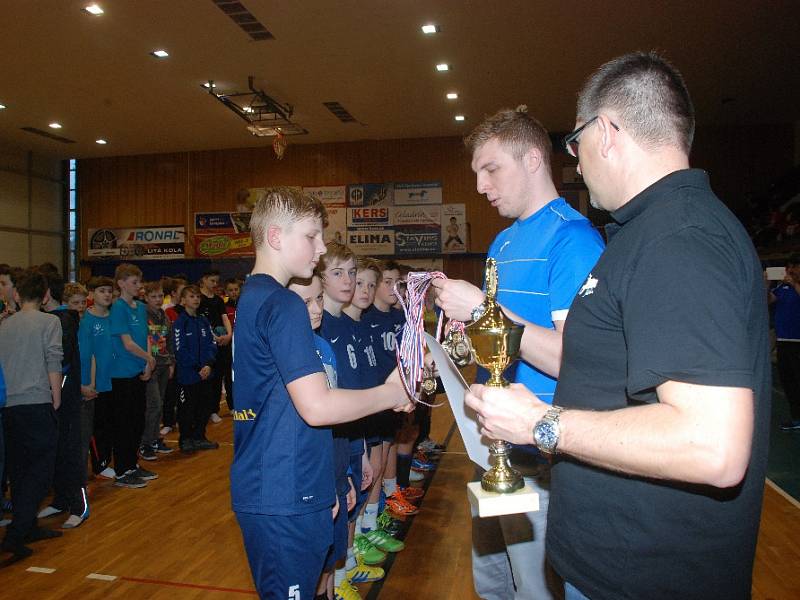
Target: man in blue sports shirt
x=542, y=260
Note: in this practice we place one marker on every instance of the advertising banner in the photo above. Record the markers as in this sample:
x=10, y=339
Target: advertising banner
x=222, y=222
x=416, y=215
x=371, y=242
x=218, y=245
x=370, y=216
x=138, y=243
x=417, y=240
x=454, y=228
x=337, y=225
x=425, y=192
x=330, y=195
x=370, y=194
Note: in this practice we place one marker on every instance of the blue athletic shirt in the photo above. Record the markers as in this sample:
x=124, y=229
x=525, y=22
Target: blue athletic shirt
x=387, y=331
x=133, y=321
x=341, y=334
x=542, y=262
x=787, y=313
x=341, y=445
x=94, y=340
x=281, y=465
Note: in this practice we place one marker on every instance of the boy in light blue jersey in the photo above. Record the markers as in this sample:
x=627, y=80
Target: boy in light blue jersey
x=282, y=476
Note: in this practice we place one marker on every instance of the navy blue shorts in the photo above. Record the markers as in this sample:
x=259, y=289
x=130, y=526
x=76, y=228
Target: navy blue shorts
x=286, y=553
x=338, y=550
x=358, y=477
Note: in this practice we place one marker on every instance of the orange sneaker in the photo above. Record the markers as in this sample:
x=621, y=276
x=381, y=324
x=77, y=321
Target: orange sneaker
x=411, y=494
x=401, y=507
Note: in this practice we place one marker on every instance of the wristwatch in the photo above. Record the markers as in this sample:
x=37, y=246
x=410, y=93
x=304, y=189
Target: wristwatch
x=478, y=311
x=547, y=430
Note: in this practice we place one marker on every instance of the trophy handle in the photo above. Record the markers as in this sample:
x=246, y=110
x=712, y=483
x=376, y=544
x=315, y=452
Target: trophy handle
x=491, y=280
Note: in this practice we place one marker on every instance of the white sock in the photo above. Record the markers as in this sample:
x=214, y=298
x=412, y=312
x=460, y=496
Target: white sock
x=339, y=575
x=370, y=520
x=351, y=562
x=359, y=522
x=390, y=486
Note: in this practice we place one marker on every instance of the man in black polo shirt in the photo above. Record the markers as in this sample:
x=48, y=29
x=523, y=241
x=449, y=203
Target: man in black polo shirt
x=665, y=387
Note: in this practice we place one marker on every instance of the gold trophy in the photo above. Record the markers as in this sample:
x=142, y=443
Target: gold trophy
x=495, y=341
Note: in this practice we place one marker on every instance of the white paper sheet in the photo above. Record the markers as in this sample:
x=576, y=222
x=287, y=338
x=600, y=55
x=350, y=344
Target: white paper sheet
x=466, y=418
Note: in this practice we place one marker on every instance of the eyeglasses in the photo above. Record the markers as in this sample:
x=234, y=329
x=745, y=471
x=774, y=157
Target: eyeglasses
x=571, y=141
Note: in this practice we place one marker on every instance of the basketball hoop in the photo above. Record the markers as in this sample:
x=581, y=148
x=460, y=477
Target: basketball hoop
x=279, y=145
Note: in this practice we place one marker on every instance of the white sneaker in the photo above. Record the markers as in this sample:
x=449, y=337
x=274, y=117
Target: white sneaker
x=416, y=476
x=73, y=522
x=4, y=522
x=165, y=430
x=48, y=511
x=215, y=418
x=108, y=473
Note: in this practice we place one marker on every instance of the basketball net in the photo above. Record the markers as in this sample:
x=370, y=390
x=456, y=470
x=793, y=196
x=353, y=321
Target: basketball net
x=279, y=145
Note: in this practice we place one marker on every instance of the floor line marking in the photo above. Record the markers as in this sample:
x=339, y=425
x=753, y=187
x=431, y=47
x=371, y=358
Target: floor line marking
x=101, y=577
x=47, y=570
x=196, y=586
x=791, y=499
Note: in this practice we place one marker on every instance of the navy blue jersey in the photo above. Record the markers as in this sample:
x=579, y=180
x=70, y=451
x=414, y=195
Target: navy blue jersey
x=787, y=313
x=386, y=329
x=366, y=344
x=281, y=465
x=341, y=445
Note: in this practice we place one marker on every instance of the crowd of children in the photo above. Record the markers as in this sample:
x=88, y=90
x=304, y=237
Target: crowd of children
x=323, y=430
x=95, y=376
x=324, y=433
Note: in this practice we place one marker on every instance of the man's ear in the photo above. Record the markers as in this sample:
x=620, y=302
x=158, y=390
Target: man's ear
x=532, y=159
x=608, y=139
x=274, y=237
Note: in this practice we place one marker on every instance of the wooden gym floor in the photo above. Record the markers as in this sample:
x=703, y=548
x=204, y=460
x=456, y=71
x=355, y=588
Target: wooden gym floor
x=178, y=539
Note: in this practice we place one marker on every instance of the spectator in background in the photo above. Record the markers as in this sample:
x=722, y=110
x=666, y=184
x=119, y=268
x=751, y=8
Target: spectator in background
x=233, y=288
x=785, y=297
x=75, y=297
x=172, y=395
x=7, y=304
x=30, y=356
x=212, y=307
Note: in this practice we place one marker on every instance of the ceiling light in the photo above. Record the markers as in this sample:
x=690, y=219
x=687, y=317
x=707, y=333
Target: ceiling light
x=209, y=84
x=101, y=141
x=2, y=106
x=460, y=118
x=442, y=67
x=452, y=96
x=160, y=53
x=94, y=9
x=55, y=125
x=430, y=28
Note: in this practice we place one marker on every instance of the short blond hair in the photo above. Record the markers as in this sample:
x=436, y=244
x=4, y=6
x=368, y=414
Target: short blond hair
x=517, y=132
x=283, y=206
x=125, y=270
x=335, y=253
x=74, y=289
x=367, y=263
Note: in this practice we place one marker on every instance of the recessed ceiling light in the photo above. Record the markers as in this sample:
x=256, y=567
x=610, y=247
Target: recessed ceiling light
x=160, y=53
x=94, y=9
x=460, y=118
x=442, y=67
x=430, y=28
x=452, y=96
x=2, y=106
x=55, y=125
x=101, y=141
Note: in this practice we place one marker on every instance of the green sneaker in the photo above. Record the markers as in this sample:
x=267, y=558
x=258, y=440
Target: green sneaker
x=369, y=552
x=384, y=541
x=388, y=524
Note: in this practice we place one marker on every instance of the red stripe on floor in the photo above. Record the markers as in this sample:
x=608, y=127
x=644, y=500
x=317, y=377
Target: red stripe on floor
x=209, y=588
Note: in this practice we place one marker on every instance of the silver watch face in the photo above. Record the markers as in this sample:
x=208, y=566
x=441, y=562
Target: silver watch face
x=545, y=434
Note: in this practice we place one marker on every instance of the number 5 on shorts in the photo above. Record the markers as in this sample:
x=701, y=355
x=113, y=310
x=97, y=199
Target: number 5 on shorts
x=294, y=592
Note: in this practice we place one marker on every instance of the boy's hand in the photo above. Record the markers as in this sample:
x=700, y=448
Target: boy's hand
x=88, y=392
x=366, y=472
x=223, y=340
x=56, y=403
x=335, y=509
x=171, y=371
x=151, y=362
x=148, y=371
x=351, y=495
x=205, y=372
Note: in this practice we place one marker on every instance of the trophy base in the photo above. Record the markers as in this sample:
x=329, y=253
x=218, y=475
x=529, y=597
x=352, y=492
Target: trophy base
x=491, y=504
x=502, y=481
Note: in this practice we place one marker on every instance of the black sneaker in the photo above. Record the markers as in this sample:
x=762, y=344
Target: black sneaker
x=790, y=426
x=130, y=481
x=37, y=534
x=205, y=444
x=147, y=453
x=161, y=447
x=144, y=474
x=187, y=446
x=18, y=550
